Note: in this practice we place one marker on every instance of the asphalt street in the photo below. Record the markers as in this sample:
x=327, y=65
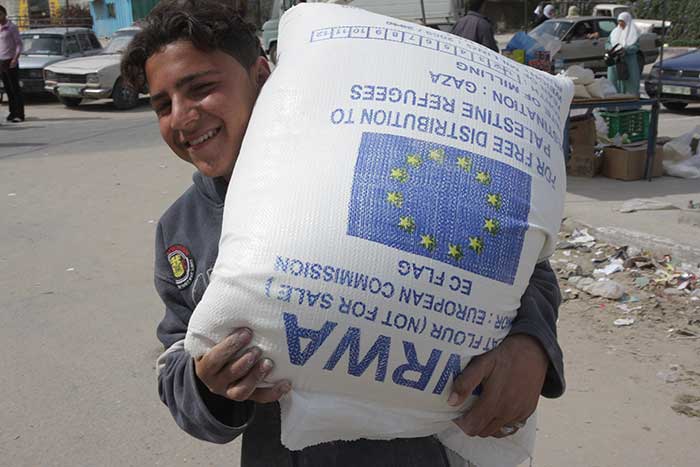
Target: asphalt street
x=80, y=194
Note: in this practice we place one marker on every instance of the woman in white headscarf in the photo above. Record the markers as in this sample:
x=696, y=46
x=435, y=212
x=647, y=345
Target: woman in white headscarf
x=548, y=12
x=626, y=37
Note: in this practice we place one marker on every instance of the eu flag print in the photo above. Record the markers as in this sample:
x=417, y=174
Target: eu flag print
x=440, y=202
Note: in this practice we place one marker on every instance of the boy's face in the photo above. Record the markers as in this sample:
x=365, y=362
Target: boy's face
x=203, y=101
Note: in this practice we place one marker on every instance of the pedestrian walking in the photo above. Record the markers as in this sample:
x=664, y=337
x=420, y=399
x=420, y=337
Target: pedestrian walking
x=476, y=27
x=10, y=49
x=548, y=12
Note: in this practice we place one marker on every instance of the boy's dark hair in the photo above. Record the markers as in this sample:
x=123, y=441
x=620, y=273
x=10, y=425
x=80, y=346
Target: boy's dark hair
x=475, y=5
x=3, y=10
x=208, y=24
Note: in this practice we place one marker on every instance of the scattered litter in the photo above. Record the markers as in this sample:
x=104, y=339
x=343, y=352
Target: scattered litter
x=624, y=322
x=684, y=409
x=627, y=309
x=606, y=289
x=151, y=221
x=670, y=376
x=581, y=237
x=641, y=282
x=684, y=332
x=566, y=253
x=673, y=291
x=633, y=251
x=629, y=299
x=70, y=269
x=615, y=265
x=12, y=194
x=163, y=166
x=687, y=399
x=645, y=205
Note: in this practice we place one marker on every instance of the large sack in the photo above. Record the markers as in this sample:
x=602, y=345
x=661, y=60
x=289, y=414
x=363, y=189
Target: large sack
x=394, y=191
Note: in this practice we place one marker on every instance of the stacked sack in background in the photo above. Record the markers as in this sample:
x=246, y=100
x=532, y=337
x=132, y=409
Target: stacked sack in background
x=586, y=86
x=394, y=191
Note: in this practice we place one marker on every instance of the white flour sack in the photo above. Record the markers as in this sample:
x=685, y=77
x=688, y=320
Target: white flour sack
x=394, y=191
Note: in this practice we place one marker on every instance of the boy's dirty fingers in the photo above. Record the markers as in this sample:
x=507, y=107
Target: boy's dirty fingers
x=221, y=354
x=242, y=389
x=266, y=395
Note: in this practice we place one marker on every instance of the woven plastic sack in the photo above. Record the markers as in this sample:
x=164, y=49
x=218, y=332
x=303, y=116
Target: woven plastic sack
x=394, y=191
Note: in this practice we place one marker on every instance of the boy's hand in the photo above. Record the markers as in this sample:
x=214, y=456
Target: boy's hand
x=236, y=378
x=511, y=376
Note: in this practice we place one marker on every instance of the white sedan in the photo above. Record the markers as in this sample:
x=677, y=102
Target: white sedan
x=95, y=77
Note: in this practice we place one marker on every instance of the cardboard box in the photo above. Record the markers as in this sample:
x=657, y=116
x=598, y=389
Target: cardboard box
x=583, y=162
x=582, y=131
x=627, y=163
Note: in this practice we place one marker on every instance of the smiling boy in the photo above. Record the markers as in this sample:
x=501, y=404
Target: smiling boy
x=203, y=67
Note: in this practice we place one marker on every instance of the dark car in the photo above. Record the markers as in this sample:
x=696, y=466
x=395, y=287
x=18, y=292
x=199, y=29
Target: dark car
x=681, y=81
x=45, y=46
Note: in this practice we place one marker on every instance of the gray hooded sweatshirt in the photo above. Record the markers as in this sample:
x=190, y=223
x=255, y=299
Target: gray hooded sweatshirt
x=187, y=241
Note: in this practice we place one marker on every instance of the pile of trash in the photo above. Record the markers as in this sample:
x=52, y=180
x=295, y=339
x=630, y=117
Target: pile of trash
x=633, y=283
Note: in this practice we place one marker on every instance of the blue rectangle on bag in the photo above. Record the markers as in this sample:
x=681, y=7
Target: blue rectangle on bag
x=440, y=202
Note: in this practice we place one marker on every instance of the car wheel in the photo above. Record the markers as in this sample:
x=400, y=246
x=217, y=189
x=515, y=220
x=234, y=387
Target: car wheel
x=677, y=106
x=124, y=97
x=70, y=101
x=273, y=53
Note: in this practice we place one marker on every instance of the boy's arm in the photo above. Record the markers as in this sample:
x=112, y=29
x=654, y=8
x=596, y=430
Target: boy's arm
x=197, y=411
x=514, y=374
x=537, y=317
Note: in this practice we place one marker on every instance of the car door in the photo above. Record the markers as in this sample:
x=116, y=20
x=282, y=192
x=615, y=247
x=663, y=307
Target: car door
x=604, y=27
x=579, y=47
x=71, y=46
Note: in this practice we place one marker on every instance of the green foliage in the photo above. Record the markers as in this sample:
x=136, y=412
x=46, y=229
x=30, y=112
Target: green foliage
x=683, y=14
x=73, y=15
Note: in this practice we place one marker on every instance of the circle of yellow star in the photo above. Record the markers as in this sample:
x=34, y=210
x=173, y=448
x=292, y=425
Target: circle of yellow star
x=395, y=198
x=407, y=223
x=455, y=251
x=494, y=200
x=491, y=226
x=428, y=242
x=414, y=160
x=399, y=174
x=438, y=155
x=464, y=163
x=476, y=245
x=483, y=177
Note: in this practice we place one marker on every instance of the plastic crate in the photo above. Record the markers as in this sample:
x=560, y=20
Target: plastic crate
x=633, y=123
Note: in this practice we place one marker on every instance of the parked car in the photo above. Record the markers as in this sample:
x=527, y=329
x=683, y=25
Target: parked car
x=95, y=77
x=680, y=78
x=613, y=10
x=583, y=42
x=45, y=46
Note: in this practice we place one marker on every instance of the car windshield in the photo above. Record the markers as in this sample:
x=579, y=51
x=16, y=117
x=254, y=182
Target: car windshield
x=42, y=44
x=557, y=29
x=117, y=45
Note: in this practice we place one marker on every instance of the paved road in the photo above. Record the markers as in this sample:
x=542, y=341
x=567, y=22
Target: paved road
x=80, y=191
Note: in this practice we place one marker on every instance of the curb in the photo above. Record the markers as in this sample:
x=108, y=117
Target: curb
x=658, y=246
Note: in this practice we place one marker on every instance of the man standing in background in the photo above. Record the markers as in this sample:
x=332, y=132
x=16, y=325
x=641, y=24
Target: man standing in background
x=476, y=27
x=10, y=48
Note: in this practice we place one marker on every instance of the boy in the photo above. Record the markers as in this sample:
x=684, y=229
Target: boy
x=203, y=68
